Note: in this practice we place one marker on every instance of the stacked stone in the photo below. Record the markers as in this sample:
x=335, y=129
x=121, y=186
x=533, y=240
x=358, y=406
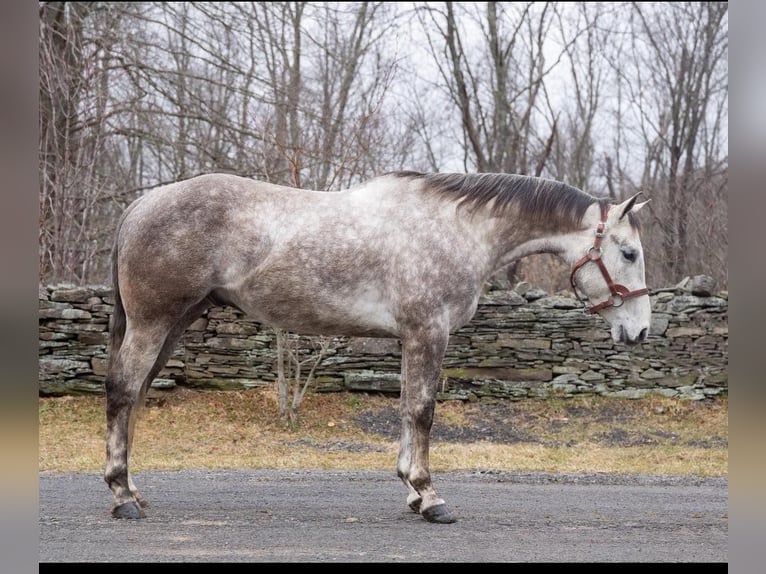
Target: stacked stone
x=73, y=323
x=521, y=343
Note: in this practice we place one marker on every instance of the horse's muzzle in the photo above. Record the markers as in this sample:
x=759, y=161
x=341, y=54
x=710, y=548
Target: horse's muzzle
x=640, y=338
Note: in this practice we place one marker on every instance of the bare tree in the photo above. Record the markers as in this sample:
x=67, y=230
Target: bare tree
x=584, y=37
x=293, y=354
x=491, y=62
x=677, y=83
x=75, y=73
x=329, y=75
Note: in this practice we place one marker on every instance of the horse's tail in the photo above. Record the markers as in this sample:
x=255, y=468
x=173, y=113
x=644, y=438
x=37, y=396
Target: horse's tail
x=118, y=321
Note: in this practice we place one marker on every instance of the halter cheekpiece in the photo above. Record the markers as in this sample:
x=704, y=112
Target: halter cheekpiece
x=619, y=293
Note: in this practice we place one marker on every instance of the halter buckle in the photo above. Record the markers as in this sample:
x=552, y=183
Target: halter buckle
x=601, y=228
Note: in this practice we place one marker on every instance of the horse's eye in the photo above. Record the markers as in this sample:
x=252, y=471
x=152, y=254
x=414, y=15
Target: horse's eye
x=629, y=254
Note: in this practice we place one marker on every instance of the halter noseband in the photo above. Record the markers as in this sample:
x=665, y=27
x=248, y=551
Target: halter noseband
x=619, y=293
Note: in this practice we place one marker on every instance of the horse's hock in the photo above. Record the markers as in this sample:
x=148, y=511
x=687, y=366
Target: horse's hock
x=516, y=346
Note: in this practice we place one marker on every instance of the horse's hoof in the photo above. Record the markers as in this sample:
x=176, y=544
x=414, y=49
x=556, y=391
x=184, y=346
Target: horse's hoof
x=128, y=510
x=439, y=513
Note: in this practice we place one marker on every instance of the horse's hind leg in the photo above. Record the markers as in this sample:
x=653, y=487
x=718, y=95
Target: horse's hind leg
x=422, y=355
x=126, y=385
x=141, y=357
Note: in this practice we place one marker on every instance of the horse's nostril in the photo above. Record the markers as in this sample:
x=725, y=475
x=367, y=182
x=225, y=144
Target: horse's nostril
x=642, y=334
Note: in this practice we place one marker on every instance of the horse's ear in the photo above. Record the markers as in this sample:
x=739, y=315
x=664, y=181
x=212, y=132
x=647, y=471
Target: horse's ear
x=630, y=205
x=638, y=206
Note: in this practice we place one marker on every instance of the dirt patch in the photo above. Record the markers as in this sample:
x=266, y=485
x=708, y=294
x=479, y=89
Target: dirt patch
x=612, y=423
x=482, y=423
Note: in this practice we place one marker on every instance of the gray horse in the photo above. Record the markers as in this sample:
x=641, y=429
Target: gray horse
x=404, y=255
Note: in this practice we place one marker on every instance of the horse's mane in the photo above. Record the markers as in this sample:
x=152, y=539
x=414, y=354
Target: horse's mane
x=542, y=201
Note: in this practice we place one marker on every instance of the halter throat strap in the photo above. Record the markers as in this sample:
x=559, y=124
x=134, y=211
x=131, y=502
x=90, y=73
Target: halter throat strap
x=618, y=293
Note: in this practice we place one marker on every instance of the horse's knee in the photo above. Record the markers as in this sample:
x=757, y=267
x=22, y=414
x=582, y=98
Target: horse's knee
x=421, y=413
x=424, y=418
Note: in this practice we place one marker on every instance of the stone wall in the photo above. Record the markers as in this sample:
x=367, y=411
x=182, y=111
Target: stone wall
x=520, y=344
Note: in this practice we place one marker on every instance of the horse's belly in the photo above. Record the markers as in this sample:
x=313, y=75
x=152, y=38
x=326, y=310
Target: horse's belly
x=363, y=315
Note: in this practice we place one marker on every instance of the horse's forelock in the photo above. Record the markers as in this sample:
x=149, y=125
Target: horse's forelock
x=541, y=201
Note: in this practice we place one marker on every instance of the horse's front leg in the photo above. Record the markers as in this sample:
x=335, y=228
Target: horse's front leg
x=422, y=355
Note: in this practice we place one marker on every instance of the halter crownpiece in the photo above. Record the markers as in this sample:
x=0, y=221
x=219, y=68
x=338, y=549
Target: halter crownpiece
x=619, y=293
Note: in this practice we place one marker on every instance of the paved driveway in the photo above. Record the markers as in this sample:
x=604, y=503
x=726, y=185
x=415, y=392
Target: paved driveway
x=332, y=516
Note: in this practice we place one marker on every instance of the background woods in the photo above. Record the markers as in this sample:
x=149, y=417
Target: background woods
x=610, y=97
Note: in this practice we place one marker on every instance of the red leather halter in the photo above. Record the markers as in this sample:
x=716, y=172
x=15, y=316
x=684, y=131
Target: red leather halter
x=619, y=293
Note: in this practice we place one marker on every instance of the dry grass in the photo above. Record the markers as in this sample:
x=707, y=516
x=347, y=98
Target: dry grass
x=239, y=429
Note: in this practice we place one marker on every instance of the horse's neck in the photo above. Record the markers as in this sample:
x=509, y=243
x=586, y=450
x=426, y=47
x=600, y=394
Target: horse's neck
x=519, y=241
